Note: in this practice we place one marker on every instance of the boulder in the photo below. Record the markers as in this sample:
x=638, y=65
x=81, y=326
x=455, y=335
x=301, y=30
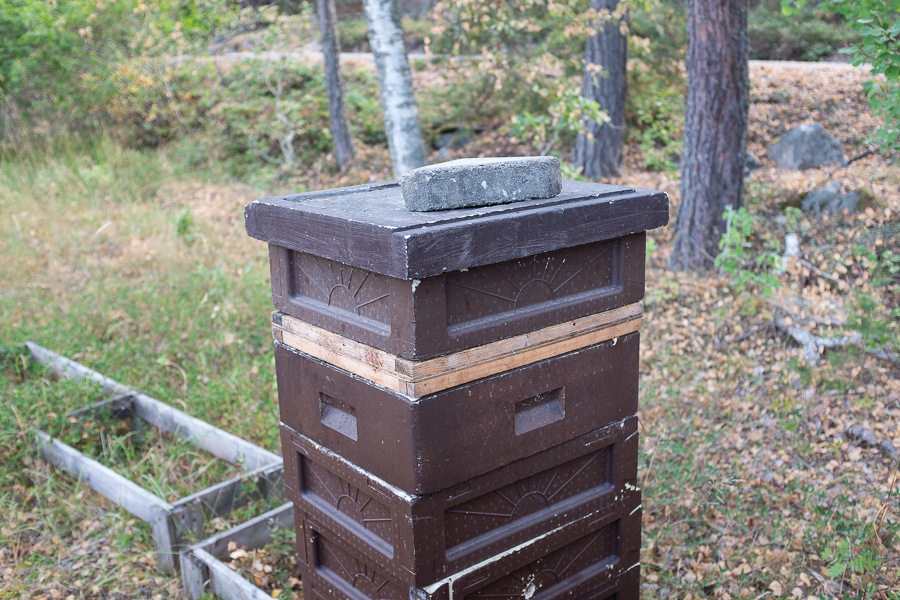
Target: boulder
x=806, y=146
x=828, y=199
x=751, y=163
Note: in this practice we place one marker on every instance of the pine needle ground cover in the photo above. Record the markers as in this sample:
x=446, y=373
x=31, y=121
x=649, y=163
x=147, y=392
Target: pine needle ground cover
x=752, y=489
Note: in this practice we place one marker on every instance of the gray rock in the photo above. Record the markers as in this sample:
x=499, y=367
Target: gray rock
x=480, y=182
x=828, y=199
x=751, y=163
x=806, y=147
x=453, y=139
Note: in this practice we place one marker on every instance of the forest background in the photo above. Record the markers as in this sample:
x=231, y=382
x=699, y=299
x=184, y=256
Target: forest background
x=132, y=133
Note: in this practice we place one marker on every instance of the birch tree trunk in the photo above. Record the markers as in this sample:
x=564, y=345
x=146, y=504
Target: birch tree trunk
x=599, y=150
x=334, y=84
x=401, y=116
x=715, y=128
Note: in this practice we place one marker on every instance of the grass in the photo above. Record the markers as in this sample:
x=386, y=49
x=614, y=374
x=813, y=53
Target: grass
x=143, y=272
x=95, y=269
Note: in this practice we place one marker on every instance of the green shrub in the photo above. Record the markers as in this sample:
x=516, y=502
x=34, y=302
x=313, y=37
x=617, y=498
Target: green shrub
x=801, y=36
x=60, y=62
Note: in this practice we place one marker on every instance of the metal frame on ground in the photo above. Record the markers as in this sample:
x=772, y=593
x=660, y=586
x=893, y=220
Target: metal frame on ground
x=176, y=524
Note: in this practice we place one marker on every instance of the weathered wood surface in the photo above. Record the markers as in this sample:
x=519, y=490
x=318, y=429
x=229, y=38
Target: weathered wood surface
x=109, y=484
x=418, y=378
x=369, y=226
x=203, y=571
x=191, y=514
x=220, y=443
x=171, y=524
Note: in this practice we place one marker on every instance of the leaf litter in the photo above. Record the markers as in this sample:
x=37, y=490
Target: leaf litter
x=759, y=472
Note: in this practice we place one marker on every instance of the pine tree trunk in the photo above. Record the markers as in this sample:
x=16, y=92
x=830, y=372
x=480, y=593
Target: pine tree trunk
x=715, y=128
x=599, y=150
x=334, y=83
x=401, y=116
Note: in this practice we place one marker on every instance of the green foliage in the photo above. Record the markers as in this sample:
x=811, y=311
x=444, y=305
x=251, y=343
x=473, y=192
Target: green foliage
x=654, y=108
x=792, y=216
x=59, y=60
x=876, y=22
x=804, y=35
x=566, y=116
x=256, y=113
x=184, y=226
x=734, y=258
x=859, y=557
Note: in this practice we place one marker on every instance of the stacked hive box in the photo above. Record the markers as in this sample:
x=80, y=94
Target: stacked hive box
x=458, y=389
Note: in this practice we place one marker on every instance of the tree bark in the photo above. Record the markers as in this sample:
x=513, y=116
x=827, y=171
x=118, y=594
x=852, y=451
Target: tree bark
x=715, y=128
x=598, y=151
x=334, y=83
x=401, y=116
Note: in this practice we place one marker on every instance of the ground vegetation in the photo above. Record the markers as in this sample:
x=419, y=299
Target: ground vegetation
x=770, y=403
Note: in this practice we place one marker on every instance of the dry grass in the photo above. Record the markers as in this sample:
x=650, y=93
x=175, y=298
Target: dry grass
x=751, y=489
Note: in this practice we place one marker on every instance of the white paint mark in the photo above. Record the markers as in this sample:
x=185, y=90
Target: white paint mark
x=484, y=184
x=415, y=284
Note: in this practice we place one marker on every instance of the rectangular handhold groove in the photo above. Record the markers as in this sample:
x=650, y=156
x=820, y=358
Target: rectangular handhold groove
x=338, y=415
x=538, y=411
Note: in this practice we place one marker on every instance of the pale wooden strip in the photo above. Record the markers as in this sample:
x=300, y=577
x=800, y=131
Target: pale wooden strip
x=514, y=361
x=548, y=336
x=418, y=378
x=388, y=379
x=377, y=360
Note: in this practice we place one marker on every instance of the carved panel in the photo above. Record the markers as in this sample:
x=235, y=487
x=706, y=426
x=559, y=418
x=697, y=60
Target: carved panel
x=353, y=576
x=346, y=502
x=588, y=553
x=533, y=283
x=533, y=495
x=350, y=293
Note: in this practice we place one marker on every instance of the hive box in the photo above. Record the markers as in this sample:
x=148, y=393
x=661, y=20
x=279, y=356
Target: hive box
x=418, y=285
x=589, y=558
x=428, y=444
x=420, y=539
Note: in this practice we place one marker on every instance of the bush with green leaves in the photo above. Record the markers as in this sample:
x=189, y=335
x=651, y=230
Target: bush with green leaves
x=810, y=35
x=746, y=270
x=878, y=27
x=59, y=61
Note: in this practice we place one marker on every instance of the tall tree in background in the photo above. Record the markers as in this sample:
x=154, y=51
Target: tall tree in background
x=715, y=128
x=334, y=84
x=401, y=116
x=598, y=150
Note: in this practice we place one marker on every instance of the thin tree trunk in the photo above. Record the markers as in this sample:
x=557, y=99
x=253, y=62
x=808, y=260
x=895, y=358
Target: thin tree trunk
x=599, y=150
x=401, y=116
x=715, y=128
x=334, y=83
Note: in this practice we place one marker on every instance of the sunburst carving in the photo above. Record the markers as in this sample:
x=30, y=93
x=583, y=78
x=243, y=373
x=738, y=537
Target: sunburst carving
x=554, y=568
x=348, y=500
x=527, y=496
x=368, y=581
x=536, y=280
x=338, y=285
